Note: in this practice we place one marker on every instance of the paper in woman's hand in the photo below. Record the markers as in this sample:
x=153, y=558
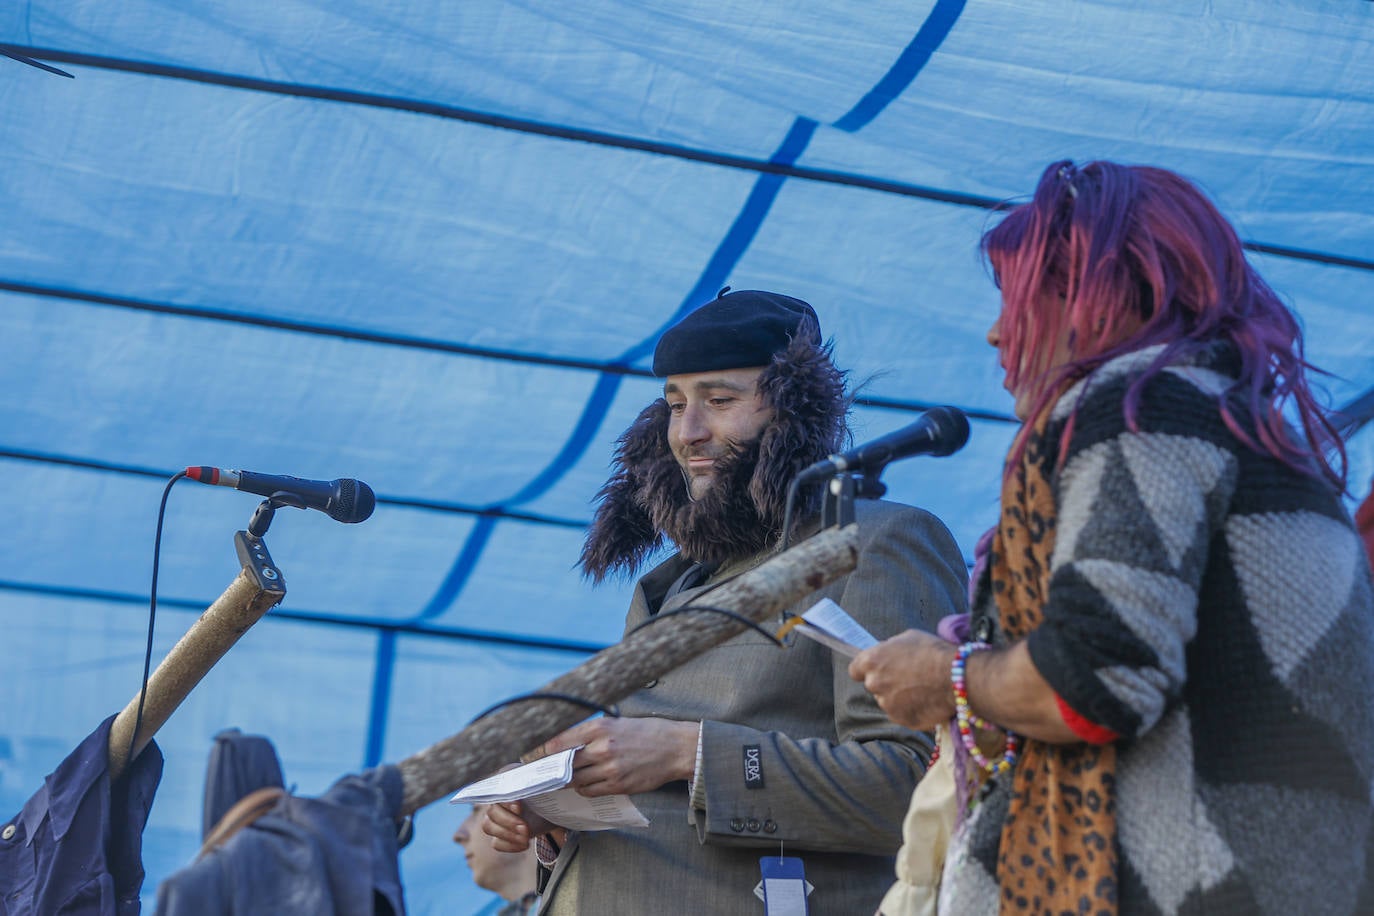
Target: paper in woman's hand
x=828, y=624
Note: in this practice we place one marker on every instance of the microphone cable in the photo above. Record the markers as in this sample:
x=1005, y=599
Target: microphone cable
x=692, y=607
x=152, y=618
x=788, y=509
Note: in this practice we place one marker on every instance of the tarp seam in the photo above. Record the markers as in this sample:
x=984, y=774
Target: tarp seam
x=617, y=366
x=408, y=628
x=859, y=115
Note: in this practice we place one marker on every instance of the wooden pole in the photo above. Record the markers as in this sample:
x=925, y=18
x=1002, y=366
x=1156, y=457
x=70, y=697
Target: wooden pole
x=613, y=673
x=213, y=634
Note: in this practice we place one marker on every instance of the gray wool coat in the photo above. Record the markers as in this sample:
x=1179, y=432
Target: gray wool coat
x=833, y=775
x=1213, y=607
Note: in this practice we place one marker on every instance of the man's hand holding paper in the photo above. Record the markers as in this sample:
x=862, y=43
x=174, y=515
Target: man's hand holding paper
x=625, y=756
x=543, y=787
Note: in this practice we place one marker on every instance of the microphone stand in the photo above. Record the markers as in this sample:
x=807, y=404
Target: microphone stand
x=258, y=588
x=496, y=739
x=837, y=506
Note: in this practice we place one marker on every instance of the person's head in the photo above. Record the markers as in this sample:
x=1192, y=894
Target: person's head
x=711, y=362
x=750, y=396
x=710, y=416
x=510, y=874
x=1107, y=259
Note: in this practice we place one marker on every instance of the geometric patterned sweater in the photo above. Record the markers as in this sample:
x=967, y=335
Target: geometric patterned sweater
x=1213, y=607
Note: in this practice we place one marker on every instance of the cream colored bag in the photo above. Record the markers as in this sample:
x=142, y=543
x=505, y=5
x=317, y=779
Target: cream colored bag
x=925, y=839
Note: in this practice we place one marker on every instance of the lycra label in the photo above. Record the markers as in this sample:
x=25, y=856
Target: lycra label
x=753, y=767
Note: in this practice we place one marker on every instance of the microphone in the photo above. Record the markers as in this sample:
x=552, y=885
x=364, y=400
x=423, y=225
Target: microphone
x=939, y=431
x=344, y=500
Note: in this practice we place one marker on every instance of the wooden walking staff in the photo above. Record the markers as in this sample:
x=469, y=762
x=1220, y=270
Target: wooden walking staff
x=615, y=672
x=258, y=588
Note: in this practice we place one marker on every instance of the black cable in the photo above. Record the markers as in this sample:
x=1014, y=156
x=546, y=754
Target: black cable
x=152, y=617
x=611, y=710
x=687, y=608
x=566, y=698
x=787, y=512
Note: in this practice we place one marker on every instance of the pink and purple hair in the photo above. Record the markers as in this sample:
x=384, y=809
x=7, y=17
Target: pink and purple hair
x=1126, y=257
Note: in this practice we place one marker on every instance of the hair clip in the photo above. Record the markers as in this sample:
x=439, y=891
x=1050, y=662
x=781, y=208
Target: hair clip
x=1068, y=173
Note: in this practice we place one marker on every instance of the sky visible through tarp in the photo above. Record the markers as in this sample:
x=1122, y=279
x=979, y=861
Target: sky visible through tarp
x=430, y=246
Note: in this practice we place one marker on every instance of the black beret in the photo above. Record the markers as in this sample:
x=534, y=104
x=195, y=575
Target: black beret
x=733, y=331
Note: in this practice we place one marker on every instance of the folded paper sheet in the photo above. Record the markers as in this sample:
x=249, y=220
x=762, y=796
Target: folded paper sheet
x=542, y=786
x=828, y=624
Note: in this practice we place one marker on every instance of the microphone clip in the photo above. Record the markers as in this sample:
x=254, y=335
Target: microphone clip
x=837, y=500
x=267, y=509
x=258, y=564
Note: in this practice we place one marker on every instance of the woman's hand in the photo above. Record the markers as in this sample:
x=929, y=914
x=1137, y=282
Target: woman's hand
x=909, y=677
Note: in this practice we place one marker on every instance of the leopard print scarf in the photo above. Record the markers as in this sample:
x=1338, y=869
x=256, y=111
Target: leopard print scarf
x=1058, y=850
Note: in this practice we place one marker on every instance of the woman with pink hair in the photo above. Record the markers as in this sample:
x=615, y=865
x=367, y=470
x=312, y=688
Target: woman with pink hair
x=1166, y=700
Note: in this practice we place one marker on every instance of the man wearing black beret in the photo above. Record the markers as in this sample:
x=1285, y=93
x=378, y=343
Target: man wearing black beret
x=748, y=750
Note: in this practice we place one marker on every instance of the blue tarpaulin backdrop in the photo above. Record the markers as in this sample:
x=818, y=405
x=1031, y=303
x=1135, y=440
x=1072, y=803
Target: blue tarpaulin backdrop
x=429, y=245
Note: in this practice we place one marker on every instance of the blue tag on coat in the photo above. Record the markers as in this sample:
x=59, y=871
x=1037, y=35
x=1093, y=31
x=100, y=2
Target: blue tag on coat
x=784, y=886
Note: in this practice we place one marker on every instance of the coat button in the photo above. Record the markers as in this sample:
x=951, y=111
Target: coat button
x=737, y=825
x=770, y=826
x=753, y=825
x=7, y=832
x=651, y=685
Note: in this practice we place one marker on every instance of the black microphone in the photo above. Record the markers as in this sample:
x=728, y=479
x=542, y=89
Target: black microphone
x=344, y=500
x=939, y=431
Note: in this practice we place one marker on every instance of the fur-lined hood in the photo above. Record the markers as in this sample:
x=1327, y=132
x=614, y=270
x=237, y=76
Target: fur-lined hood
x=645, y=503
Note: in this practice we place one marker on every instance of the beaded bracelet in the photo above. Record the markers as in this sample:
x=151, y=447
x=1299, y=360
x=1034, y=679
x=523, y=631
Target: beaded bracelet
x=965, y=720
